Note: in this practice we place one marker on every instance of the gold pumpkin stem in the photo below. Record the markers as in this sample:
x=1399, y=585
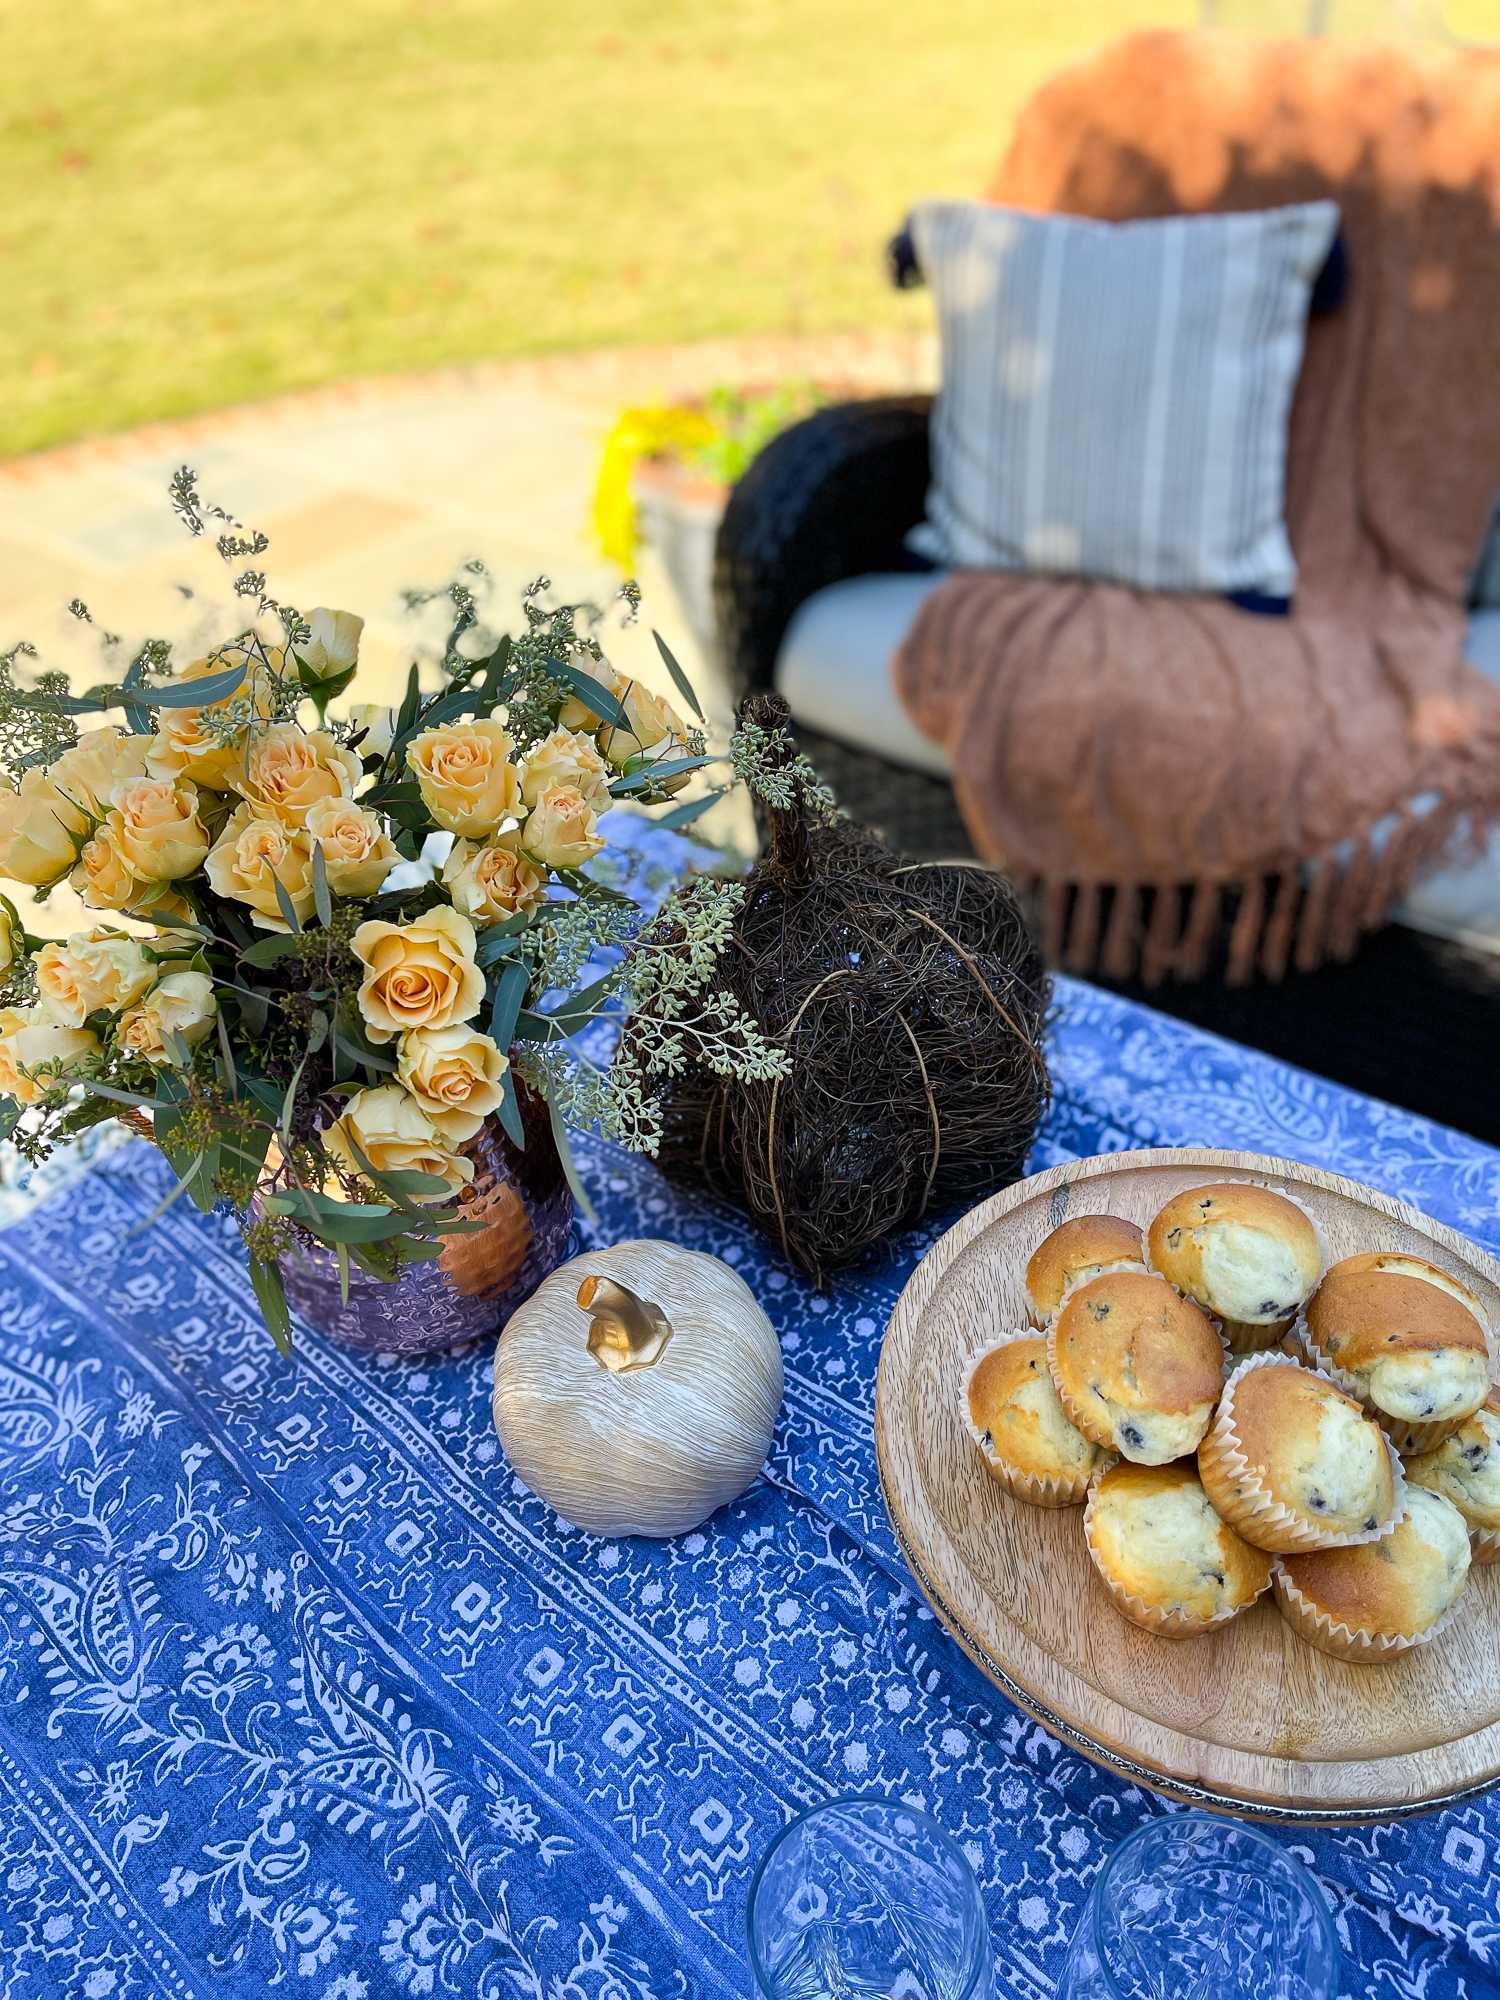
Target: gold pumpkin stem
x=626, y=1331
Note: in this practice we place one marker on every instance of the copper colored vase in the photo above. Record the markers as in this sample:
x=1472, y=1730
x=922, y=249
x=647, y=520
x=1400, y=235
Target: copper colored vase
x=471, y=1290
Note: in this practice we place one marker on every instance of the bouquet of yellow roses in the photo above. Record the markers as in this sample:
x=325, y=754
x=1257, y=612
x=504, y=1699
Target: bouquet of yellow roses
x=348, y=931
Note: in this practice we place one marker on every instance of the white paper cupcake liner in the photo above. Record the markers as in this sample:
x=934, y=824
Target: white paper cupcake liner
x=1243, y=1336
x=1332, y=1635
x=1254, y=1514
x=1165, y=1624
x=1484, y=1544
x=1406, y=1437
x=1036, y=1489
x=1039, y=1324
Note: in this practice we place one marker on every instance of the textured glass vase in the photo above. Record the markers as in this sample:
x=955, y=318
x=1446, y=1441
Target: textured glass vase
x=471, y=1290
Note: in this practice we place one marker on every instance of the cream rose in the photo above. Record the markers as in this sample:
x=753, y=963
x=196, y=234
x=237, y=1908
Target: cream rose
x=182, y=1003
x=250, y=856
x=491, y=882
x=455, y=1075
x=43, y=825
x=92, y=970
x=379, y=725
x=11, y=935
x=567, y=759
x=332, y=646
x=157, y=829
x=420, y=975
x=396, y=1136
x=358, y=853
x=288, y=769
x=28, y=1041
x=104, y=877
x=649, y=721
x=191, y=742
x=560, y=832
x=465, y=775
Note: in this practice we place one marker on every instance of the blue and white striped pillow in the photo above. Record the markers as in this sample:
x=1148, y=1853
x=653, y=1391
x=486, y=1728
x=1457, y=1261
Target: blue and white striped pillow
x=1116, y=396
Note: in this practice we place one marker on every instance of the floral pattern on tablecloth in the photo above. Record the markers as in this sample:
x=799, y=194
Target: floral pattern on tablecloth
x=299, y=1686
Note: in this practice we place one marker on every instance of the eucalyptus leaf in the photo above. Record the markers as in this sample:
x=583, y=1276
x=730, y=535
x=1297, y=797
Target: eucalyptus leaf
x=684, y=815
x=286, y=906
x=510, y=991
x=270, y=1293
x=679, y=679
x=593, y=694
x=322, y=901
x=565, y=1154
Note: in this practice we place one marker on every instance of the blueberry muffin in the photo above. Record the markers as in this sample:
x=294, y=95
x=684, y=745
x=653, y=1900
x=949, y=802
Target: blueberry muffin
x=1138, y=1368
x=1466, y=1470
x=1292, y=1463
x=1076, y=1251
x=1013, y=1415
x=1380, y=1599
x=1406, y=1338
x=1248, y=1255
x=1171, y=1565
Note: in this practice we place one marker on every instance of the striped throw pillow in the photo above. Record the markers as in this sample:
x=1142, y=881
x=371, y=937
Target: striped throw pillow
x=1115, y=396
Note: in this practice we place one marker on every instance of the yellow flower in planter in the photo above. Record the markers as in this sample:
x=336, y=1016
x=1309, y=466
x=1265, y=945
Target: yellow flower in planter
x=156, y=828
x=465, y=775
x=250, y=856
x=288, y=770
x=567, y=758
x=358, y=853
x=494, y=881
x=28, y=1040
x=91, y=970
x=420, y=975
x=183, y=1003
x=455, y=1075
x=395, y=1135
x=561, y=831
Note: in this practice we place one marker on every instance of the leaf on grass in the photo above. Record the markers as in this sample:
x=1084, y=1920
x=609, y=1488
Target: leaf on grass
x=679, y=679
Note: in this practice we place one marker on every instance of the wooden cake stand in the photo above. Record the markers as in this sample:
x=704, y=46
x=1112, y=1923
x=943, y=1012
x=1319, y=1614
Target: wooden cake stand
x=1249, y=1719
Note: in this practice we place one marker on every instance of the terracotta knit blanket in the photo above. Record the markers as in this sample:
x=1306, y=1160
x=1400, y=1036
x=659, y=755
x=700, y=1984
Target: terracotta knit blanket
x=1151, y=765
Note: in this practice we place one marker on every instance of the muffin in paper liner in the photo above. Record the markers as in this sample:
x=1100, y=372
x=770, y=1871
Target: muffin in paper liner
x=1076, y=1251
x=1089, y=1423
x=1408, y=1438
x=1331, y=1635
x=1243, y=1337
x=1150, y=1617
x=1254, y=1513
x=1036, y=1489
x=1451, y=1471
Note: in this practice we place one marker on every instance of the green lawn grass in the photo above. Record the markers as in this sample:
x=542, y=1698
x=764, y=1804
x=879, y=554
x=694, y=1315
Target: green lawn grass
x=208, y=200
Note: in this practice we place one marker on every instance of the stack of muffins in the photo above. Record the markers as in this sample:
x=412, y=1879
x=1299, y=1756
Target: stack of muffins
x=1235, y=1419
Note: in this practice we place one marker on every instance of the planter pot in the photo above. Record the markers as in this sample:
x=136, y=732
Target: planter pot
x=679, y=513
x=473, y=1287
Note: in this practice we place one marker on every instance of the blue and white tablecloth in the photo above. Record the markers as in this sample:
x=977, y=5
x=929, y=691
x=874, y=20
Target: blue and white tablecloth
x=299, y=1685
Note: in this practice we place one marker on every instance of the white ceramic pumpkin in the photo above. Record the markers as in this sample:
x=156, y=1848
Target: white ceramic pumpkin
x=637, y=1389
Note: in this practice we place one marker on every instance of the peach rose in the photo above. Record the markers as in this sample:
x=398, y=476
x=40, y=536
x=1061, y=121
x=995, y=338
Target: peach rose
x=358, y=853
x=560, y=832
x=379, y=724
x=567, y=759
x=157, y=829
x=43, y=825
x=492, y=882
x=396, y=1136
x=92, y=970
x=250, y=856
x=288, y=769
x=465, y=775
x=104, y=877
x=11, y=935
x=183, y=1002
x=28, y=1041
x=332, y=645
x=420, y=975
x=455, y=1075
x=650, y=721
x=190, y=742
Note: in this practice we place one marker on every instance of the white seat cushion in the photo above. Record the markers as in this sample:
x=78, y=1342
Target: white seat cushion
x=834, y=667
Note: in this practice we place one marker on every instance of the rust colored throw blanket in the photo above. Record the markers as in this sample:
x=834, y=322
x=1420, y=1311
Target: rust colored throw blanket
x=1107, y=739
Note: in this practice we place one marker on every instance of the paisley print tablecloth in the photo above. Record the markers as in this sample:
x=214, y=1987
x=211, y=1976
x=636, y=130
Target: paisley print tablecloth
x=299, y=1686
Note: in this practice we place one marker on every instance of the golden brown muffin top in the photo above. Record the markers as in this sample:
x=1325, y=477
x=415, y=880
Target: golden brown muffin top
x=1140, y=1342
x=1086, y=1242
x=1466, y=1468
x=1155, y=1533
x=1243, y=1251
x=1401, y=1584
x=1321, y=1469
x=1011, y=1397
x=1364, y=1310
x=1416, y=1267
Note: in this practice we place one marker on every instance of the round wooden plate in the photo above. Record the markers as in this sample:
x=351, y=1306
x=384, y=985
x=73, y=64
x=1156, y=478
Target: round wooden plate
x=1249, y=1719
